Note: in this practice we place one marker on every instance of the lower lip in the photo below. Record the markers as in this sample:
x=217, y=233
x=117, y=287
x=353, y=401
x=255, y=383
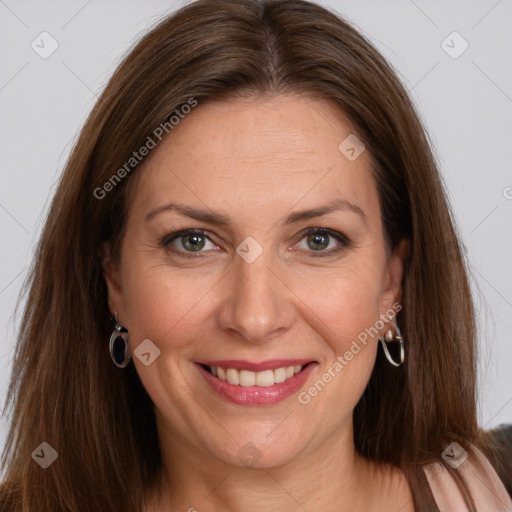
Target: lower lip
x=258, y=395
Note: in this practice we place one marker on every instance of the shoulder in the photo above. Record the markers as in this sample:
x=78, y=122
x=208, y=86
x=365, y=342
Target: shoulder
x=485, y=486
x=501, y=454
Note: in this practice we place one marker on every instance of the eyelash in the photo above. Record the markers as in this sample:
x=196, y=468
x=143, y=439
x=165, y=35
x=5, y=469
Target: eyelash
x=344, y=242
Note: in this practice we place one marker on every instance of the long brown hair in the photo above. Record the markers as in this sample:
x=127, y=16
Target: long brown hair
x=64, y=388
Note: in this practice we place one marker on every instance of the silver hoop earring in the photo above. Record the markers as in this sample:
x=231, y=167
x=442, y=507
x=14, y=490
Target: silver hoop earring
x=118, y=345
x=390, y=337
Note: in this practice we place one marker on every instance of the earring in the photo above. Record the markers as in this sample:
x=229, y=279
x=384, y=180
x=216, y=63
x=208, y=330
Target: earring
x=118, y=345
x=390, y=337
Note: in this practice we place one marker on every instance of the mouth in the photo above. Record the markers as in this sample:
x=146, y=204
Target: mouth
x=246, y=383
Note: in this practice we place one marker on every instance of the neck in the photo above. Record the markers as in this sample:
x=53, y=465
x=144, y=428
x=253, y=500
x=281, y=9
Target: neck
x=332, y=477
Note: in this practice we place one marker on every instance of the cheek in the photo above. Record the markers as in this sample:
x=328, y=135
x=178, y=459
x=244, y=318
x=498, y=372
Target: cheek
x=346, y=303
x=346, y=321
x=164, y=303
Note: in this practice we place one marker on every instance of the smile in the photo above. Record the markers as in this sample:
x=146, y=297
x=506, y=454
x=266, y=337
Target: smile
x=247, y=383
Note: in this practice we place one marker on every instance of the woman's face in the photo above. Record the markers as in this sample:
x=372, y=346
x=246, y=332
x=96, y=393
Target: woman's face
x=255, y=291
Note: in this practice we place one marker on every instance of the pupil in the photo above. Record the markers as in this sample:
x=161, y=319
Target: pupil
x=195, y=244
x=316, y=237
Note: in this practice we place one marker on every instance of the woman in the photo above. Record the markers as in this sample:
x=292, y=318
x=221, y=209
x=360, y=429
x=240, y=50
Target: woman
x=317, y=353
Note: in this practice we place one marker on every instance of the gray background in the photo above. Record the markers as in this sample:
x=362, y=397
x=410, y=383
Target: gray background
x=466, y=105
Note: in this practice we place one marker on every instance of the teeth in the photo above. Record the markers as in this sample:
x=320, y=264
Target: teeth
x=248, y=378
x=279, y=375
x=233, y=376
x=265, y=378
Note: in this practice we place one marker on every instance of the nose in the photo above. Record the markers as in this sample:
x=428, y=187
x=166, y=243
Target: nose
x=259, y=304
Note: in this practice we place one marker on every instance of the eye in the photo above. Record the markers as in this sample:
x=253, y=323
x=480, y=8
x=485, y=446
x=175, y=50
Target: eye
x=318, y=239
x=186, y=241
x=189, y=241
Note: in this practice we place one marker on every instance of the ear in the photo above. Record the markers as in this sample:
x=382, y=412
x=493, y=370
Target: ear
x=111, y=274
x=392, y=289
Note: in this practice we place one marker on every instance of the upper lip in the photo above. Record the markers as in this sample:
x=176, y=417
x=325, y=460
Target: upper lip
x=270, y=364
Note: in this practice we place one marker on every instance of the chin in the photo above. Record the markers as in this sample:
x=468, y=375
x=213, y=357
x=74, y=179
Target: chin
x=257, y=453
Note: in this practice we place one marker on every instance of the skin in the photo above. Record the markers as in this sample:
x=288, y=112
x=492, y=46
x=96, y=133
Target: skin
x=257, y=160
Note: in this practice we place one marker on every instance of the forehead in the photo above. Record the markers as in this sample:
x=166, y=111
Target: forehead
x=253, y=154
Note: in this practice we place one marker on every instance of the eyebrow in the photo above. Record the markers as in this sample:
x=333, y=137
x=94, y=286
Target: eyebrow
x=223, y=220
